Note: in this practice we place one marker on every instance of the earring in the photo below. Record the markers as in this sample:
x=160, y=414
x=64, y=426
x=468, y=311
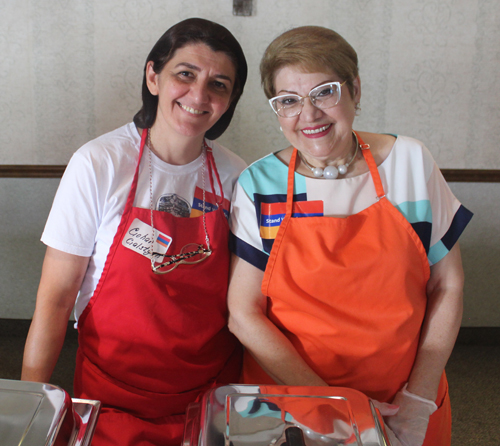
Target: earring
x=281, y=129
x=357, y=108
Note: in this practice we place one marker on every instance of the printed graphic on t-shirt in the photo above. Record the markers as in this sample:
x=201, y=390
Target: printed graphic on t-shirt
x=139, y=238
x=210, y=203
x=174, y=204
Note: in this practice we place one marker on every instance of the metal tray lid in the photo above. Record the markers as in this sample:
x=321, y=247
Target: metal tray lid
x=36, y=414
x=244, y=415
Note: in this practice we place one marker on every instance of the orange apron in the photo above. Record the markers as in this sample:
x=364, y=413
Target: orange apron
x=350, y=294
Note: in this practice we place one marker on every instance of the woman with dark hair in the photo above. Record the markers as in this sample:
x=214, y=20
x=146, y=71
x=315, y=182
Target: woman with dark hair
x=137, y=243
x=347, y=270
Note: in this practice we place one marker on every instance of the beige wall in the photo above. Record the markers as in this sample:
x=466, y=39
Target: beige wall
x=71, y=70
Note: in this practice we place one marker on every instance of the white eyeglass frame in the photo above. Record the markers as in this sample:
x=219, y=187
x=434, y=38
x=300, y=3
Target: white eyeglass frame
x=312, y=99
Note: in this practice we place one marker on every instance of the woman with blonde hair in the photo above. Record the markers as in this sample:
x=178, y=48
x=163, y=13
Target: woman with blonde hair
x=346, y=269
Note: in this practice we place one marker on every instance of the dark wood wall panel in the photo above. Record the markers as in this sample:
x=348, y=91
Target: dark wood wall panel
x=31, y=171
x=55, y=171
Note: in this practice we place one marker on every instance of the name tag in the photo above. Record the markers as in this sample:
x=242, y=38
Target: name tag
x=139, y=238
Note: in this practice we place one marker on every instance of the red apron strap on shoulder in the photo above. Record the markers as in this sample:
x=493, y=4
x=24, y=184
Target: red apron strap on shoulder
x=211, y=170
x=131, y=194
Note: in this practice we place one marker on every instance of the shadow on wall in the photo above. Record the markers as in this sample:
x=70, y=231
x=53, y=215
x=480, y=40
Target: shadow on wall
x=482, y=284
x=25, y=205
x=480, y=246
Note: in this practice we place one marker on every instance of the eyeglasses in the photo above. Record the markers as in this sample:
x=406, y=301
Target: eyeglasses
x=323, y=96
x=190, y=254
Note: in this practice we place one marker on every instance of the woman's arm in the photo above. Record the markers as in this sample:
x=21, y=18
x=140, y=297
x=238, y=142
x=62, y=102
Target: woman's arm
x=250, y=324
x=442, y=322
x=62, y=276
x=439, y=332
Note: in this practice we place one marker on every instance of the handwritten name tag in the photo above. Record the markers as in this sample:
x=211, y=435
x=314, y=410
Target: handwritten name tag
x=139, y=238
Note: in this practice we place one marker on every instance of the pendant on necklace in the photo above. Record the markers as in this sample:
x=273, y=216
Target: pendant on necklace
x=331, y=172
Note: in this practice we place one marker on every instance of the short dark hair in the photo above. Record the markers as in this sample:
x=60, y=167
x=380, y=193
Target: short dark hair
x=187, y=32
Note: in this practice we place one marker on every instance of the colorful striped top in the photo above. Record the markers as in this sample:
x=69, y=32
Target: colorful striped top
x=412, y=182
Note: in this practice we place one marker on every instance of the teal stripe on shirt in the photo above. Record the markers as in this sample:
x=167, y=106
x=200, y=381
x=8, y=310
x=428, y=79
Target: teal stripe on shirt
x=269, y=174
x=437, y=252
x=416, y=211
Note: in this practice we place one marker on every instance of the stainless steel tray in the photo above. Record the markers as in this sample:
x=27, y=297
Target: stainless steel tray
x=243, y=415
x=36, y=414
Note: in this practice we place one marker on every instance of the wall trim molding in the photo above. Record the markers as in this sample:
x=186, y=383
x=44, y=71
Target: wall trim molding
x=56, y=171
x=466, y=335
x=471, y=175
x=31, y=171
x=20, y=327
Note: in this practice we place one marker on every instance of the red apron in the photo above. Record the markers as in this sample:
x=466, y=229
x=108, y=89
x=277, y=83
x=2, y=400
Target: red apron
x=350, y=294
x=151, y=344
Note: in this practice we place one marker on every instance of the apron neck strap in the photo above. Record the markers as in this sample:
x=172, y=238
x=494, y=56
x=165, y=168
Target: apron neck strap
x=212, y=169
x=133, y=188
x=290, y=184
x=370, y=161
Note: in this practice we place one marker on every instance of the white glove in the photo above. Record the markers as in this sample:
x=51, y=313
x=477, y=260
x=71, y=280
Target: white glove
x=385, y=409
x=388, y=410
x=411, y=421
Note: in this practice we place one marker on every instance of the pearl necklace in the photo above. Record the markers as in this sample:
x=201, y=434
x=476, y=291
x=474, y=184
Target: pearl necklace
x=331, y=172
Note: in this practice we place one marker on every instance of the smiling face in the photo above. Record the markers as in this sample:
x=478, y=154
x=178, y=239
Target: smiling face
x=321, y=135
x=194, y=90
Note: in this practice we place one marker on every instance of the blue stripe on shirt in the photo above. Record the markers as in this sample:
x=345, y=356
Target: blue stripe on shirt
x=419, y=215
x=460, y=221
x=247, y=252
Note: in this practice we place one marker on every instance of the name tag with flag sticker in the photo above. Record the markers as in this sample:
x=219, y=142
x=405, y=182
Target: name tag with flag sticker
x=139, y=238
x=210, y=203
x=163, y=240
x=272, y=214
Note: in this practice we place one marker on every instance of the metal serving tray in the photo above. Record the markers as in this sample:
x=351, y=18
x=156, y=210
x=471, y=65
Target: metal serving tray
x=36, y=414
x=243, y=415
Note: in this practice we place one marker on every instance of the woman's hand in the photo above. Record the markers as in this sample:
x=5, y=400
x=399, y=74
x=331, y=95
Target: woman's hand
x=265, y=342
x=62, y=276
x=410, y=422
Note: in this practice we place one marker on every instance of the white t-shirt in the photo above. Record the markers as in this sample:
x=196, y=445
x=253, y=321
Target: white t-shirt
x=412, y=183
x=91, y=197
